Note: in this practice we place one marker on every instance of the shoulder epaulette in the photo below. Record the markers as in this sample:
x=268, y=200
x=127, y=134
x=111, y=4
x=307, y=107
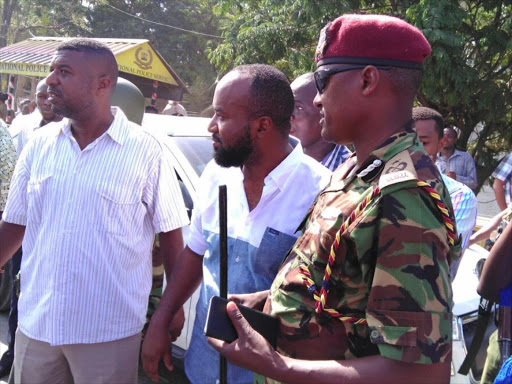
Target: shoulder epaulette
x=398, y=169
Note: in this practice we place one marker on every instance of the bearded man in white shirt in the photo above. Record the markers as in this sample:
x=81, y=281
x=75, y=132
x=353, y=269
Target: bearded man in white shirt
x=87, y=197
x=270, y=186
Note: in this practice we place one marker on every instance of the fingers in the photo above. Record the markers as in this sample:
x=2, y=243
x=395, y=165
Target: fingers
x=235, y=298
x=168, y=361
x=150, y=366
x=241, y=325
x=217, y=344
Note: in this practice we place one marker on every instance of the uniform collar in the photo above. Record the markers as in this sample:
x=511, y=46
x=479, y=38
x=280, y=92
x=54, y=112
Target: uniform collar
x=376, y=160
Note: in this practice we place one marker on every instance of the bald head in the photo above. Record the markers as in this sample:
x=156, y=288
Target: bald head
x=270, y=94
x=306, y=117
x=42, y=86
x=43, y=104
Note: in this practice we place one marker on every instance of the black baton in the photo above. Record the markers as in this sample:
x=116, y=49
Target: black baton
x=223, y=287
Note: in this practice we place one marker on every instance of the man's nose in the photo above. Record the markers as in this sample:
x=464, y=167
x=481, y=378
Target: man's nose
x=212, y=125
x=50, y=79
x=317, y=102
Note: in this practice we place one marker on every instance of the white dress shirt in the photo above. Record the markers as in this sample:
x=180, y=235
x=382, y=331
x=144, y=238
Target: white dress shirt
x=90, y=218
x=258, y=241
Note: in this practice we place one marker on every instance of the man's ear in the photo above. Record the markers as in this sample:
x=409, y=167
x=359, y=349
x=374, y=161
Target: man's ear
x=440, y=145
x=104, y=84
x=263, y=125
x=370, y=78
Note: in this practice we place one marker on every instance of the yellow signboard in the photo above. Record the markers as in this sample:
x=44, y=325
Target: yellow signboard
x=26, y=69
x=143, y=61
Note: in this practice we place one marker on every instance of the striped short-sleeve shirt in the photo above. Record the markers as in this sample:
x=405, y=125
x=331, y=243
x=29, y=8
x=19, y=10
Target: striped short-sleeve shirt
x=90, y=218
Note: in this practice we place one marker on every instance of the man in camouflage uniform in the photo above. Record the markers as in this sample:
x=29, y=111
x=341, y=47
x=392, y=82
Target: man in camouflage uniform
x=389, y=279
x=7, y=163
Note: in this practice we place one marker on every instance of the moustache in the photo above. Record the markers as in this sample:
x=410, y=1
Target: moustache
x=53, y=91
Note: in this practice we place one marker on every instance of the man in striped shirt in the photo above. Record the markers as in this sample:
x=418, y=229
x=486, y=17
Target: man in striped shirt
x=458, y=165
x=428, y=124
x=306, y=125
x=502, y=180
x=87, y=197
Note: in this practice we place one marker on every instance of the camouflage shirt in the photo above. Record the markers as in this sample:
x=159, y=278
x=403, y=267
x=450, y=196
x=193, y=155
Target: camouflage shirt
x=7, y=163
x=392, y=265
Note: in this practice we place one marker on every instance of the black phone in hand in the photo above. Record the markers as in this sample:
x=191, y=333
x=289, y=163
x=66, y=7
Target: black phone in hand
x=219, y=326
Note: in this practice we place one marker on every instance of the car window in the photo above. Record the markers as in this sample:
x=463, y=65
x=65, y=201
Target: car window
x=198, y=150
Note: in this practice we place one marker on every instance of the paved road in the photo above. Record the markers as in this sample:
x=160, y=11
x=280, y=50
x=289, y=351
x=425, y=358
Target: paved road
x=487, y=202
x=176, y=377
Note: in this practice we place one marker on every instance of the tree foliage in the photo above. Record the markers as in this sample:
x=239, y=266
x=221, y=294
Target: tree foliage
x=467, y=78
x=184, y=51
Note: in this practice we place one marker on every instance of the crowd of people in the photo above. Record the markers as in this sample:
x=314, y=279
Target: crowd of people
x=353, y=250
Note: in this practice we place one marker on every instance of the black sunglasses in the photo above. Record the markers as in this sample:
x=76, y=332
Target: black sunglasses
x=322, y=76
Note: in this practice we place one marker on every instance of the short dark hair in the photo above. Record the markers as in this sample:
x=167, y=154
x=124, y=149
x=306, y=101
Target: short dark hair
x=454, y=131
x=424, y=113
x=405, y=81
x=271, y=94
x=93, y=47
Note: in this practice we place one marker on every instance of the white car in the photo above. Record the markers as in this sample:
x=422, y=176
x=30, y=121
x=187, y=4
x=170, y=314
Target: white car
x=191, y=149
x=465, y=311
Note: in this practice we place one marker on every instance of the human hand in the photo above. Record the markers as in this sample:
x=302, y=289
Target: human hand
x=451, y=174
x=485, y=232
x=176, y=324
x=250, y=350
x=156, y=345
x=252, y=300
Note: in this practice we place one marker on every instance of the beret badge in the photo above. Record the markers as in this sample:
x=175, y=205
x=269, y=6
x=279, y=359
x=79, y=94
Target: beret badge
x=323, y=42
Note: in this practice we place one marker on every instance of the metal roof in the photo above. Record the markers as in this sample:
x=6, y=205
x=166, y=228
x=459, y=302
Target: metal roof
x=32, y=57
x=39, y=50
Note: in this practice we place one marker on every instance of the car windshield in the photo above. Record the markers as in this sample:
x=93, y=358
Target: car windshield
x=198, y=150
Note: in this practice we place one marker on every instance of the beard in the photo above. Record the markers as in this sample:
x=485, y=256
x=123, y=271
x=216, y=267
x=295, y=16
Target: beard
x=236, y=155
x=71, y=107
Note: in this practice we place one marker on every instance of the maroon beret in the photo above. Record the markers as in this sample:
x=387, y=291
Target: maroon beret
x=372, y=40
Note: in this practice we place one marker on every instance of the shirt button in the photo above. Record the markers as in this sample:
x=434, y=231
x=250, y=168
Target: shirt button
x=374, y=335
x=237, y=259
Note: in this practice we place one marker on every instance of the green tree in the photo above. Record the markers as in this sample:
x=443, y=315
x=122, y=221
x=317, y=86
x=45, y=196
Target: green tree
x=184, y=51
x=467, y=78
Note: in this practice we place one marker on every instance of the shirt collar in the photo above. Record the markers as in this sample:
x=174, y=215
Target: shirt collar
x=280, y=174
x=118, y=130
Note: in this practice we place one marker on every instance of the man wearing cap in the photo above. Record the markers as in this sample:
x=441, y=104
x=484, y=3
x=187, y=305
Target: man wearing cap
x=306, y=126
x=371, y=304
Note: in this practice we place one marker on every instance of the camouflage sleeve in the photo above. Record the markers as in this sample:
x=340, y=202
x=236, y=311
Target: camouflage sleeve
x=409, y=306
x=7, y=163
